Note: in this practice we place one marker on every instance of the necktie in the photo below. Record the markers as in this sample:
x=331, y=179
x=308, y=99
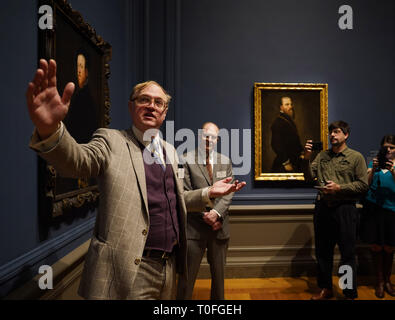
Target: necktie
x=209, y=166
x=155, y=150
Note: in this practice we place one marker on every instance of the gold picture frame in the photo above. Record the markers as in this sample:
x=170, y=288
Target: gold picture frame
x=70, y=38
x=310, y=117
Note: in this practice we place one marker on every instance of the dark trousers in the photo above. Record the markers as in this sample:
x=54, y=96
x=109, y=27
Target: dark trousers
x=216, y=257
x=335, y=225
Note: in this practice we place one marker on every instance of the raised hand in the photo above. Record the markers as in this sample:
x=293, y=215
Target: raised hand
x=46, y=107
x=223, y=187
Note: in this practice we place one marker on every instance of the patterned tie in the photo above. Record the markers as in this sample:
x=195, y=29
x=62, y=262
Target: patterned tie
x=209, y=166
x=155, y=150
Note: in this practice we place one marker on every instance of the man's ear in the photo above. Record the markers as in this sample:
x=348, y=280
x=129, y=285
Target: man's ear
x=130, y=106
x=165, y=111
x=347, y=135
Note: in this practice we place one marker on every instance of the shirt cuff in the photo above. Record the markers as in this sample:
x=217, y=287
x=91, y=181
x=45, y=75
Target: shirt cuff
x=206, y=199
x=219, y=215
x=48, y=144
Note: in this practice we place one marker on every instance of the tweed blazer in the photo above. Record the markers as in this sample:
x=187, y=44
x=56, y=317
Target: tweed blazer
x=122, y=222
x=196, y=176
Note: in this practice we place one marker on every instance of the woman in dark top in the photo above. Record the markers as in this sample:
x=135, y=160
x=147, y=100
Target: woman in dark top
x=378, y=219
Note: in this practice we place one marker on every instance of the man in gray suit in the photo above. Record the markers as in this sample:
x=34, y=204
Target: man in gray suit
x=207, y=230
x=139, y=241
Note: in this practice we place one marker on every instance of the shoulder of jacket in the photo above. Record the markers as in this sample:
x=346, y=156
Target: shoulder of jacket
x=189, y=158
x=167, y=145
x=105, y=131
x=111, y=134
x=355, y=153
x=223, y=159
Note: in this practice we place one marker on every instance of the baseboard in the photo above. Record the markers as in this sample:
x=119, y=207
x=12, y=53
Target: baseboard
x=266, y=241
x=286, y=261
x=18, y=271
x=66, y=274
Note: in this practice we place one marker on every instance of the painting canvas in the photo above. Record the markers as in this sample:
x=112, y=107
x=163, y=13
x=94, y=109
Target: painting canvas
x=285, y=116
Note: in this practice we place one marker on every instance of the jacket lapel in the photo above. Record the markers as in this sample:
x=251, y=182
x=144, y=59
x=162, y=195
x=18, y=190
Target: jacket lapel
x=138, y=164
x=171, y=158
x=216, y=166
x=202, y=168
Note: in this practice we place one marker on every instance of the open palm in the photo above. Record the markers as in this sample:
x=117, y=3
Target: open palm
x=224, y=187
x=46, y=107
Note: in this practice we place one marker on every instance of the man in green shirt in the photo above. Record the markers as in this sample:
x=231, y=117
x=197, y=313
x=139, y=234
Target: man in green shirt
x=341, y=177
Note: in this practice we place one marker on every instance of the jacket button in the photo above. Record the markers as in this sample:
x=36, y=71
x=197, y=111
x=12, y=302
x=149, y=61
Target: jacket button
x=137, y=261
x=145, y=232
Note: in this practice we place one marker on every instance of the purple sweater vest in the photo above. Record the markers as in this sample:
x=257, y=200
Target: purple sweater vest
x=162, y=205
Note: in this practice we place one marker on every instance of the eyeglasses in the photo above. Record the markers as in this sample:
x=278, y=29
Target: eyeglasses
x=147, y=100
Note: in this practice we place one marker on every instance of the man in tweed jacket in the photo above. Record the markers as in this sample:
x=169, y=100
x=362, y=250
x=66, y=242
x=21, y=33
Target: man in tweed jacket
x=123, y=261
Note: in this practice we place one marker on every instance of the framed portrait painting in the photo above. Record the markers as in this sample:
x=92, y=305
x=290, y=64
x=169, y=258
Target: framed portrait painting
x=82, y=57
x=285, y=116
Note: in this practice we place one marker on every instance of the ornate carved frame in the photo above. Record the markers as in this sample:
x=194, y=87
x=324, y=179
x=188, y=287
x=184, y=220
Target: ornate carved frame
x=259, y=109
x=51, y=202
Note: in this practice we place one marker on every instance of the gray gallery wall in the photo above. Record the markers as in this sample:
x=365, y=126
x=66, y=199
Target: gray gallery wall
x=226, y=46
x=210, y=53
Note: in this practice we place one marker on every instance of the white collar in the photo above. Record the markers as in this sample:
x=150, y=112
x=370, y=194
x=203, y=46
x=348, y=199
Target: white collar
x=149, y=144
x=140, y=137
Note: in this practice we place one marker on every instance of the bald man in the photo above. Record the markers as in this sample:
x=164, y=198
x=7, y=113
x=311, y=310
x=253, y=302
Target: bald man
x=207, y=230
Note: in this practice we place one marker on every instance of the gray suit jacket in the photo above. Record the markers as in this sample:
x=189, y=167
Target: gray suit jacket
x=196, y=176
x=122, y=222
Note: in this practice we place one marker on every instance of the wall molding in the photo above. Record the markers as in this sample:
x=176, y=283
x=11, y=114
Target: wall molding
x=16, y=266
x=271, y=208
x=275, y=197
x=66, y=277
x=279, y=261
x=68, y=272
x=272, y=219
x=281, y=256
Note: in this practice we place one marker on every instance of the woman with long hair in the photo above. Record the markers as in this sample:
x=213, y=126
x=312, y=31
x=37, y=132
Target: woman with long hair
x=378, y=218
